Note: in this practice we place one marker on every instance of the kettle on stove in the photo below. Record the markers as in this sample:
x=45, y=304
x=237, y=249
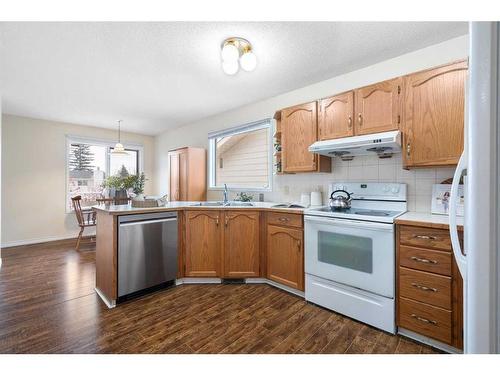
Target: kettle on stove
x=340, y=202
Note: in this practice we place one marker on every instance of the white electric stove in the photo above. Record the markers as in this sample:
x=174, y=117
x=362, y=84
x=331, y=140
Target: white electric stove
x=350, y=254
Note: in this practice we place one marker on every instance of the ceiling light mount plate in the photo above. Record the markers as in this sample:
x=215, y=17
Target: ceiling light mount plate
x=242, y=44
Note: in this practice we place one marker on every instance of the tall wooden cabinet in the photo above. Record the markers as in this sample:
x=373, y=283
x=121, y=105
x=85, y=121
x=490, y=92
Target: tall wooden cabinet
x=188, y=178
x=434, y=116
x=299, y=127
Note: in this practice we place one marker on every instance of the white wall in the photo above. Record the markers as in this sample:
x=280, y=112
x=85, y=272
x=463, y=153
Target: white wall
x=34, y=177
x=0, y=177
x=288, y=187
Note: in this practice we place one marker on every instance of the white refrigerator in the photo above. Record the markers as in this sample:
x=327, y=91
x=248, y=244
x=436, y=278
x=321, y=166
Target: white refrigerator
x=479, y=260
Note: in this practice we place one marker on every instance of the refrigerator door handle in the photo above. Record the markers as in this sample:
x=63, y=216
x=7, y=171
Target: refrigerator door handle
x=455, y=243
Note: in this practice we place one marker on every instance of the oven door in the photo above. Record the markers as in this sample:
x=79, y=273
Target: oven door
x=355, y=253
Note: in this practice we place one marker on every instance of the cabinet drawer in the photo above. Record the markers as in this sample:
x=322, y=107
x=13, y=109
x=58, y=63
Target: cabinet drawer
x=426, y=320
x=425, y=287
x=425, y=237
x=285, y=219
x=425, y=260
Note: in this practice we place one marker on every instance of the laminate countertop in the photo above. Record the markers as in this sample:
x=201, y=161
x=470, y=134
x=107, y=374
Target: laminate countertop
x=424, y=219
x=127, y=209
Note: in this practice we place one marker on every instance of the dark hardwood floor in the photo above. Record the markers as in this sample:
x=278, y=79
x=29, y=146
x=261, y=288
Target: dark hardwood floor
x=48, y=305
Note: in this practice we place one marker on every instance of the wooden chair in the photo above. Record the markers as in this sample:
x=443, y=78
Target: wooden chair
x=86, y=218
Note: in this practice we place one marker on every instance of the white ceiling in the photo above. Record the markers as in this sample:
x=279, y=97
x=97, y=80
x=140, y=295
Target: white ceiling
x=157, y=76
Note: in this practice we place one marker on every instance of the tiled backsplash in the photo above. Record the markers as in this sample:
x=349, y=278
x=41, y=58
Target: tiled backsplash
x=288, y=187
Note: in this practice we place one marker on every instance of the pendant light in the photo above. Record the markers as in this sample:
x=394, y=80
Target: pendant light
x=119, y=149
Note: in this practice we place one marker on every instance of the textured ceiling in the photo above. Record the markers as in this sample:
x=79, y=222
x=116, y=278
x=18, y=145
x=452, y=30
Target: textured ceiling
x=157, y=76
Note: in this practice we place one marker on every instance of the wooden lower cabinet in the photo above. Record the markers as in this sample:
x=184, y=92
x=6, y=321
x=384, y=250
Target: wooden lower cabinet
x=429, y=286
x=241, y=244
x=203, y=241
x=285, y=256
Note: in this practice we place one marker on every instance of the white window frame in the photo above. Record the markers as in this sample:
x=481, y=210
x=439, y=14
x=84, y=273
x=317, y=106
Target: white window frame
x=267, y=123
x=98, y=142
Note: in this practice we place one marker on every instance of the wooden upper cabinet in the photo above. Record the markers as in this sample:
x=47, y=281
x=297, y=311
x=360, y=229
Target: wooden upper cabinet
x=299, y=130
x=241, y=244
x=434, y=116
x=378, y=107
x=188, y=174
x=203, y=240
x=285, y=257
x=335, y=119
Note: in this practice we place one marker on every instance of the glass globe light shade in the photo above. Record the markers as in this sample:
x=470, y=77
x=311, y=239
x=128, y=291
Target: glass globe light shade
x=230, y=67
x=230, y=52
x=248, y=61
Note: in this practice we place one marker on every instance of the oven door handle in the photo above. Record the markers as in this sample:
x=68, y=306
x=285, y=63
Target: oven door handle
x=389, y=227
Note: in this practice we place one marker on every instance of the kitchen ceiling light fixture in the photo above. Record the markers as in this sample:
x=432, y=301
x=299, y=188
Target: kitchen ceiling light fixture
x=237, y=50
x=119, y=149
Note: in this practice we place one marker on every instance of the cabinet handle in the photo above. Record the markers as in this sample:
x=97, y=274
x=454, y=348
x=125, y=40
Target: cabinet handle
x=424, y=237
x=226, y=220
x=217, y=221
x=433, y=322
x=284, y=219
x=423, y=260
x=360, y=119
x=408, y=148
x=425, y=288
x=349, y=122
x=298, y=245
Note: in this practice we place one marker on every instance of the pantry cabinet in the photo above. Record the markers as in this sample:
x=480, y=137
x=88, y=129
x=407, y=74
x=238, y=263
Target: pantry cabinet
x=335, y=118
x=378, y=107
x=285, y=250
x=241, y=244
x=299, y=129
x=203, y=243
x=434, y=116
x=187, y=169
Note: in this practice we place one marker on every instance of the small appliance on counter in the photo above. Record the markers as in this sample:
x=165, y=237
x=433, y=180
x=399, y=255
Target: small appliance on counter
x=350, y=252
x=305, y=199
x=316, y=198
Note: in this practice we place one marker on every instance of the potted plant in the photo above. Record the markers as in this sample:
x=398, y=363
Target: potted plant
x=138, y=182
x=116, y=187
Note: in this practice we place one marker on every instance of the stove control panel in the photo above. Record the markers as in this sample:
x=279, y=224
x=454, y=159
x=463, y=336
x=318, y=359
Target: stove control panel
x=372, y=190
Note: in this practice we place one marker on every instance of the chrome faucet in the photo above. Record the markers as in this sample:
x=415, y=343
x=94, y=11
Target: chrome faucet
x=225, y=195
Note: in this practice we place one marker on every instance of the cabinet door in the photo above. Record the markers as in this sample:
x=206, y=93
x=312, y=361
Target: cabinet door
x=285, y=256
x=434, y=116
x=174, y=176
x=378, y=107
x=299, y=130
x=335, y=118
x=183, y=176
x=241, y=244
x=202, y=248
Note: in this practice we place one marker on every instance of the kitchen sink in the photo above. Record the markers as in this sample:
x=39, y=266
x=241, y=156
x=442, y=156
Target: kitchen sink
x=221, y=204
x=240, y=204
x=208, y=204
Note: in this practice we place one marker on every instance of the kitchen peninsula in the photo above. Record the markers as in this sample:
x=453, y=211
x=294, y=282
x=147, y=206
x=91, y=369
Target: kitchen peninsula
x=205, y=230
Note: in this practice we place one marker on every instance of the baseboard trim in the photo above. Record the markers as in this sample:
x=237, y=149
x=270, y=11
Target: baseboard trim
x=428, y=341
x=198, y=280
x=276, y=285
x=110, y=303
x=42, y=241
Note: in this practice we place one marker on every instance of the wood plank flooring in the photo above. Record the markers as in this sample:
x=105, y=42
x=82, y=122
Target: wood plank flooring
x=48, y=305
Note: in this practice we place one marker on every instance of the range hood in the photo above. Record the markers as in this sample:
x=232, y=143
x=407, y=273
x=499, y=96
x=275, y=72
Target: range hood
x=382, y=144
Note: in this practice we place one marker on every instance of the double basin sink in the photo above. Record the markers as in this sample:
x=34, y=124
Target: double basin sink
x=222, y=204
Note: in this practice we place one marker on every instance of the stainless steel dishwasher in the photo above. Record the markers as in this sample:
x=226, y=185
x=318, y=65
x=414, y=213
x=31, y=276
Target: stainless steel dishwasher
x=147, y=251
